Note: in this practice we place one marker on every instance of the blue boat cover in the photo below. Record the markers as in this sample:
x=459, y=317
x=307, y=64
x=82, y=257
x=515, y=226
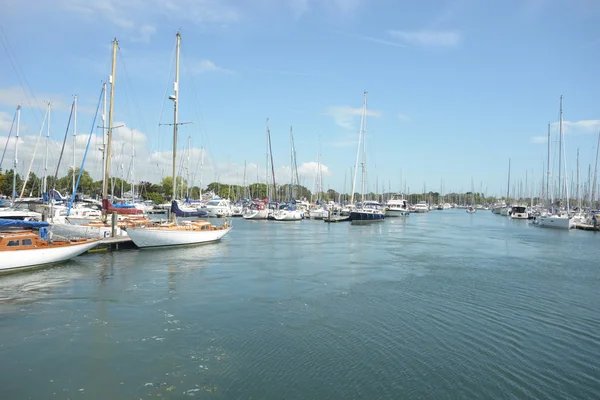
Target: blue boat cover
x=17, y=223
x=115, y=205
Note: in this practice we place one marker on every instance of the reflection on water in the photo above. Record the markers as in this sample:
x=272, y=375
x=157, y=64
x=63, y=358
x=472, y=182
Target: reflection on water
x=440, y=305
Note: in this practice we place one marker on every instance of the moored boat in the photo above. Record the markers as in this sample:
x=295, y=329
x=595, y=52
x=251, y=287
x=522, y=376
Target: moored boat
x=23, y=249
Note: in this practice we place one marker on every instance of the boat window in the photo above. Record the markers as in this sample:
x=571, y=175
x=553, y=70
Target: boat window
x=26, y=242
x=12, y=243
x=213, y=203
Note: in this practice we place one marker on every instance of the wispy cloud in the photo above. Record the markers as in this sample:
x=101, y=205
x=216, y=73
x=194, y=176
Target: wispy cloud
x=581, y=127
x=205, y=66
x=373, y=39
x=403, y=117
x=347, y=117
x=427, y=37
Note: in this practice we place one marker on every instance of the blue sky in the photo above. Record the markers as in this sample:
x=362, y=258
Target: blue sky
x=455, y=87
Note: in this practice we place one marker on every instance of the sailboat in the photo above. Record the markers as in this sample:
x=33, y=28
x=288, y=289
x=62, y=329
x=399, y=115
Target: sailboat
x=289, y=211
x=366, y=211
x=560, y=219
x=23, y=249
x=174, y=233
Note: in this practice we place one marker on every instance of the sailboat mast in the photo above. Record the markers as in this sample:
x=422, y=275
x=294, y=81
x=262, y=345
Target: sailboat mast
x=175, y=99
x=104, y=135
x=291, y=164
x=508, y=185
x=548, y=195
x=187, y=191
x=74, y=137
x=593, y=198
x=578, y=185
x=111, y=80
x=560, y=135
x=267, y=162
x=272, y=166
x=360, y=138
x=45, y=183
x=16, y=163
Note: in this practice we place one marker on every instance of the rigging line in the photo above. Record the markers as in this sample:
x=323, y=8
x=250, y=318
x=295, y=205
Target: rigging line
x=14, y=60
x=196, y=104
x=162, y=108
x=7, y=140
x=130, y=88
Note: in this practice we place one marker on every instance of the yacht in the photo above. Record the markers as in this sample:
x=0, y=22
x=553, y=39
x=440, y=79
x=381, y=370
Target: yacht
x=420, y=207
x=367, y=211
x=519, y=212
x=396, y=207
x=218, y=208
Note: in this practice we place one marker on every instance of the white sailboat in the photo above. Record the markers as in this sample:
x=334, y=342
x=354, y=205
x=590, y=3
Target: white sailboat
x=174, y=233
x=560, y=219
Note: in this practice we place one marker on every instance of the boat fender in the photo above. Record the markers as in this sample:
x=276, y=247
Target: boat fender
x=225, y=224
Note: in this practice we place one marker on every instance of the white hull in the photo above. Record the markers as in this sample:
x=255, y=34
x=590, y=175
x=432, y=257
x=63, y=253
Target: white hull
x=84, y=231
x=256, y=214
x=318, y=214
x=20, y=259
x=519, y=216
x=497, y=210
x=158, y=237
x=505, y=212
x=396, y=213
x=285, y=215
x=557, y=222
x=218, y=212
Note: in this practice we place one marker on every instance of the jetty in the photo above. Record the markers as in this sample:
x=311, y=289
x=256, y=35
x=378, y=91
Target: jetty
x=586, y=227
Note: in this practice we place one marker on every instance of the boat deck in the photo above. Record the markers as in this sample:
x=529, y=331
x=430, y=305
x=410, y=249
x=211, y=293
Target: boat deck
x=586, y=227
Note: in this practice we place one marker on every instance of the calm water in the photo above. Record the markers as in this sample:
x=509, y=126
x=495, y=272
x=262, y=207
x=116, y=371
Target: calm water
x=440, y=306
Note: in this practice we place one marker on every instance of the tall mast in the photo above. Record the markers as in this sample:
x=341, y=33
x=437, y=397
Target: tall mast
x=360, y=138
x=45, y=183
x=74, y=138
x=364, y=171
x=104, y=137
x=595, y=174
x=578, y=185
x=267, y=162
x=187, y=172
x=16, y=163
x=111, y=80
x=201, y=167
x=175, y=99
x=560, y=146
x=548, y=172
x=272, y=166
x=508, y=185
x=291, y=164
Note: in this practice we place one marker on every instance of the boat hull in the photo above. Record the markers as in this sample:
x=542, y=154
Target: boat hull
x=284, y=215
x=358, y=216
x=24, y=259
x=256, y=214
x=556, y=222
x=397, y=213
x=157, y=237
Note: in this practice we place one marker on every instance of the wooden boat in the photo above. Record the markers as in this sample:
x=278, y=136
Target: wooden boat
x=178, y=234
x=22, y=249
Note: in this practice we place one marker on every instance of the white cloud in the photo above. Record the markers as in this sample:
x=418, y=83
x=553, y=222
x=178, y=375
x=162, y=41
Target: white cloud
x=204, y=66
x=428, y=37
x=347, y=117
x=581, y=127
x=403, y=117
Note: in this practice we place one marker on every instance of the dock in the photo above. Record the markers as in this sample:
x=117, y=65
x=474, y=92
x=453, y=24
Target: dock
x=586, y=227
x=113, y=243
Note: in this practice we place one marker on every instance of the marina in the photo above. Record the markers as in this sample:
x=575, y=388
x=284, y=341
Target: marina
x=468, y=300
x=299, y=200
